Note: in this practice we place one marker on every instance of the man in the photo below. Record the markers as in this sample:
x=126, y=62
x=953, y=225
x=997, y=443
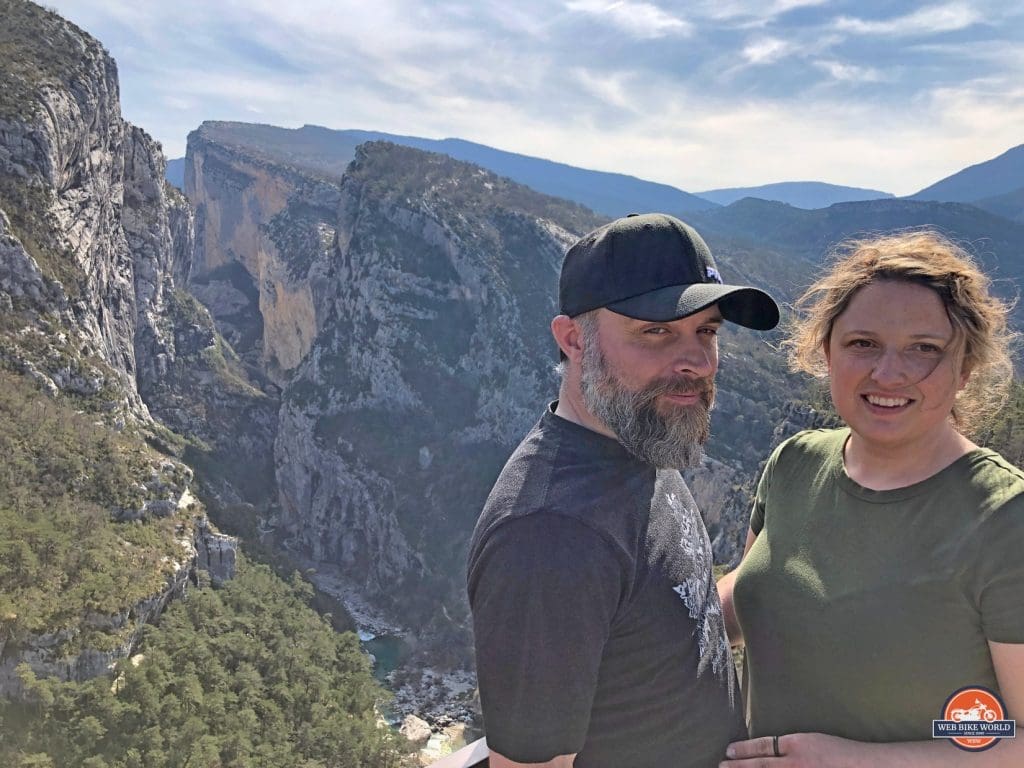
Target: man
x=599, y=635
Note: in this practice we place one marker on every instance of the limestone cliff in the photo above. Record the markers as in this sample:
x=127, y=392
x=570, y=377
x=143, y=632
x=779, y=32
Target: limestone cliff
x=94, y=251
x=252, y=273
x=433, y=360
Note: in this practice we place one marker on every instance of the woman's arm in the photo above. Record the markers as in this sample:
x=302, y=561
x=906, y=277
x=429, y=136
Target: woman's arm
x=725, y=585
x=818, y=750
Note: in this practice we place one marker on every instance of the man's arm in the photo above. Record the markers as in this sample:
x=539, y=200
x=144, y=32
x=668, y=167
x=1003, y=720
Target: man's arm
x=725, y=585
x=822, y=751
x=543, y=590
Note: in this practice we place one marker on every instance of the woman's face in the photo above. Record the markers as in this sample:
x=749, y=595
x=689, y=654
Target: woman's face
x=894, y=364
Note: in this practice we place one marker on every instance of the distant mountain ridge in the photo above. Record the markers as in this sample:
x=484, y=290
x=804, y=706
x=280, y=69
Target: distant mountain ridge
x=996, y=186
x=808, y=195
x=328, y=152
x=999, y=176
x=809, y=235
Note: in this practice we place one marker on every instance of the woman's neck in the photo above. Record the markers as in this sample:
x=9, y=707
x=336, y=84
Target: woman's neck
x=882, y=467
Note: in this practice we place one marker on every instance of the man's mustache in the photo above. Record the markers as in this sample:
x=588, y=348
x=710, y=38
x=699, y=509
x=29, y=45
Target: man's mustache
x=680, y=386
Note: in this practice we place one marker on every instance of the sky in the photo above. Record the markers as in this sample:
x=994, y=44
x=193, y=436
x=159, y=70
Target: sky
x=704, y=94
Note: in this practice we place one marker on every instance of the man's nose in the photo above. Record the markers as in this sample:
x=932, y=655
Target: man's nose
x=695, y=357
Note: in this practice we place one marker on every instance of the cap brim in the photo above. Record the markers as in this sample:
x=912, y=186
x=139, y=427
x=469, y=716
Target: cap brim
x=743, y=305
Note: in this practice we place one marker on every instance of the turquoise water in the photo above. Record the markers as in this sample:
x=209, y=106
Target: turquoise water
x=388, y=650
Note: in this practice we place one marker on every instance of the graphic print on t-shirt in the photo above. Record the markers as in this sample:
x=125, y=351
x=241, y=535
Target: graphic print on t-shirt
x=699, y=593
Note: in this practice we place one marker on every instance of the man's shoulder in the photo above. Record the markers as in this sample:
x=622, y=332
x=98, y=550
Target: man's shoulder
x=561, y=468
x=564, y=474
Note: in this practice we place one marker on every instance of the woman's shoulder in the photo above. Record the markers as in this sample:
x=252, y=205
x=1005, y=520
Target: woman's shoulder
x=810, y=442
x=995, y=479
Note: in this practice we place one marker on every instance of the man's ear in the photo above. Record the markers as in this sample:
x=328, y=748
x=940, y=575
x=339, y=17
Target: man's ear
x=568, y=337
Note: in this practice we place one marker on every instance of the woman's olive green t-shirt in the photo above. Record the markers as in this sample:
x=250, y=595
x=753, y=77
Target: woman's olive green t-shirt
x=863, y=611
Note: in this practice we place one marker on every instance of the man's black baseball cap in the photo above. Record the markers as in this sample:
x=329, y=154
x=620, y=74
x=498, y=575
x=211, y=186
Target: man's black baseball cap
x=654, y=267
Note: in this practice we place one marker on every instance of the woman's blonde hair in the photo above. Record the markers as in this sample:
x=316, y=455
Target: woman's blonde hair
x=929, y=259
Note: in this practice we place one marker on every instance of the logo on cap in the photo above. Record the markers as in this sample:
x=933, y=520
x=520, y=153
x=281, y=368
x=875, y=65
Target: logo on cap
x=713, y=274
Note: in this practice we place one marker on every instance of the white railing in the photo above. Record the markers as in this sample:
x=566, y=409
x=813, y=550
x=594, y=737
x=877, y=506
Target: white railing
x=470, y=756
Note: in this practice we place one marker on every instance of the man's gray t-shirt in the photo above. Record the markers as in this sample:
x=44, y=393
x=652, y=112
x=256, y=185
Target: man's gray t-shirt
x=597, y=622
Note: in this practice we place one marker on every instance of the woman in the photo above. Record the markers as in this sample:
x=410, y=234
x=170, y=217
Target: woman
x=884, y=567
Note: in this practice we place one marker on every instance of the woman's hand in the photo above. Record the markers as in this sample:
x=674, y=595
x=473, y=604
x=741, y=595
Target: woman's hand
x=796, y=750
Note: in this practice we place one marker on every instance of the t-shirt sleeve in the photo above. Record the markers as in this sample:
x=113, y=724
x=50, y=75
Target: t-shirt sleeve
x=1001, y=574
x=543, y=590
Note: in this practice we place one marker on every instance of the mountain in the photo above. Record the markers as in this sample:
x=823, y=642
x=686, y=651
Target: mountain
x=799, y=194
x=1009, y=205
x=999, y=176
x=176, y=173
x=326, y=151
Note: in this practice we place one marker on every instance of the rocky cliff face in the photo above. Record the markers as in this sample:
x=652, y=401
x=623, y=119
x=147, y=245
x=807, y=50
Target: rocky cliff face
x=433, y=360
x=404, y=310
x=255, y=274
x=94, y=251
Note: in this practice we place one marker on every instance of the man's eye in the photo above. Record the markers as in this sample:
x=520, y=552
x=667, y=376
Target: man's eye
x=656, y=331
x=711, y=330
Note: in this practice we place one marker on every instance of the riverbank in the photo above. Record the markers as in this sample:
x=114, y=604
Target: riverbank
x=444, y=698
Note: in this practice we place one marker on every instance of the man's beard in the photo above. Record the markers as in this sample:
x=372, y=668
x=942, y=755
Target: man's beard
x=671, y=440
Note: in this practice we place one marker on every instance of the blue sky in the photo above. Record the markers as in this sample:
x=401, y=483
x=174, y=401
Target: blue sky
x=703, y=94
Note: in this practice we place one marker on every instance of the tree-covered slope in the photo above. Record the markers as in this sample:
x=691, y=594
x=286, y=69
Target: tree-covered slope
x=247, y=675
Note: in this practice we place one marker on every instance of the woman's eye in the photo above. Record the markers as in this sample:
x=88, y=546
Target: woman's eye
x=862, y=344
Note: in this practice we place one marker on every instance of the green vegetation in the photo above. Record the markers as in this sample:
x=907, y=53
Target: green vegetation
x=61, y=555
x=247, y=675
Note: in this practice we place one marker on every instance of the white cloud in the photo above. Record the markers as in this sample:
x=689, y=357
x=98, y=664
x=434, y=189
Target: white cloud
x=757, y=12
x=767, y=50
x=926, y=21
x=610, y=89
x=850, y=72
x=639, y=19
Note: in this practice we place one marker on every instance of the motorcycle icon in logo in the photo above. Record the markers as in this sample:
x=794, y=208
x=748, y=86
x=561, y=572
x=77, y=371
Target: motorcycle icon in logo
x=980, y=711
